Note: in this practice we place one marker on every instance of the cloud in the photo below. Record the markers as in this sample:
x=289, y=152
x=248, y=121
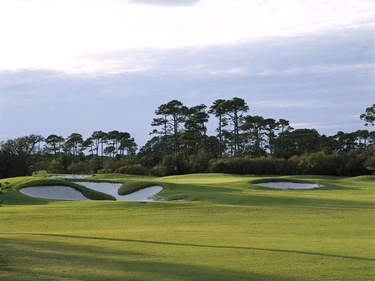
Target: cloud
x=166, y=2
x=305, y=55
x=116, y=64
x=279, y=102
x=43, y=34
x=319, y=69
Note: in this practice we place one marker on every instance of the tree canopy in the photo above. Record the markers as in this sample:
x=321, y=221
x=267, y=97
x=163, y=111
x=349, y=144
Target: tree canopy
x=244, y=143
x=369, y=115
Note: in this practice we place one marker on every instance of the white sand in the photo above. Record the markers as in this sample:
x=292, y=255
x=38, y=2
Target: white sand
x=144, y=194
x=288, y=185
x=58, y=192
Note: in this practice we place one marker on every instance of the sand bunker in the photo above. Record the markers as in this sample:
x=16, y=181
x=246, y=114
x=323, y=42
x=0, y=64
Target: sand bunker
x=60, y=192
x=71, y=177
x=288, y=185
x=144, y=194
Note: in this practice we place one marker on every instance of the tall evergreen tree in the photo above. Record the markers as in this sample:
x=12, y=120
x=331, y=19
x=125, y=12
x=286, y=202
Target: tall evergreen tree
x=218, y=110
x=255, y=127
x=173, y=116
x=73, y=143
x=234, y=110
x=54, y=143
x=369, y=115
x=271, y=126
x=285, y=128
x=195, y=127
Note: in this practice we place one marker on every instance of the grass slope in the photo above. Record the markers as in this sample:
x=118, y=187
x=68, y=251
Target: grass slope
x=228, y=229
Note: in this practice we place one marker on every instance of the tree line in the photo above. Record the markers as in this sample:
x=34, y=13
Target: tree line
x=179, y=143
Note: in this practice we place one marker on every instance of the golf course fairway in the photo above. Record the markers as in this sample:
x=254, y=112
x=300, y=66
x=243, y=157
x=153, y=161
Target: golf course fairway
x=205, y=227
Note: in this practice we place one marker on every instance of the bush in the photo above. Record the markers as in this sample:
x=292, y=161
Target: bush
x=198, y=163
x=79, y=168
x=217, y=165
x=348, y=164
x=171, y=165
x=369, y=159
x=39, y=166
x=248, y=165
x=95, y=164
x=41, y=174
x=56, y=167
x=135, y=169
x=159, y=171
x=104, y=171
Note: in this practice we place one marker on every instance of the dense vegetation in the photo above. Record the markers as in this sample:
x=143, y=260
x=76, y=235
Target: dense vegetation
x=244, y=144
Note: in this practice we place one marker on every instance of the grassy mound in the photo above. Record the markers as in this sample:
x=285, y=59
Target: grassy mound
x=130, y=183
x=133, y=186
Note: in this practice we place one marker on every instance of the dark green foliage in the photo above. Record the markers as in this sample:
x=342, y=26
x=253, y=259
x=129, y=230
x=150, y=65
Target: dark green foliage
x=369, y=159
x=173, y=114
x=134, y=169
x=4, y=187
x=153, y=151
x=173, y=164
x=1, y=195
x=301, y=141
x=308, y=164
x=217, y=109
x=234, y=110
x=199, y=163
x=54, y=143
x=79, y=168
x=248, y=165
x=369, y=115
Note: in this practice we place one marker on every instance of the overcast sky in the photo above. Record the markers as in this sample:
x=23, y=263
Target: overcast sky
x=85, y=65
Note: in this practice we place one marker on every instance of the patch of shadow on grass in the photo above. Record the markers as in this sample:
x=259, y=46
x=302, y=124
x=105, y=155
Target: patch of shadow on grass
x=197, y=245
x=3, y=264
x=293, y=200
x=60, y=260
x=16, y=198
x=178, y=197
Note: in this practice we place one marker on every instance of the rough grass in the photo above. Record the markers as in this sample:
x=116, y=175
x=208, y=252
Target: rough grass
x=228, y=229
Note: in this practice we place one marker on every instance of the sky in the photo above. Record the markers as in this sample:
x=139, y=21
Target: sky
x=78, y=66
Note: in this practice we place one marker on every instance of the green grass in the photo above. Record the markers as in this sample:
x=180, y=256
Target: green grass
x=226, y=229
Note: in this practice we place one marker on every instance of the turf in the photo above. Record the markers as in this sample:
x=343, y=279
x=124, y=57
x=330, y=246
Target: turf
x=224, y=229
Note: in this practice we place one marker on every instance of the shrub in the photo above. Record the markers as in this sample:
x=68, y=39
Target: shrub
x=135, y=169
x=79, y=168
x=39, y=166
x=95, y=164
x=369, y=162
x=171, y=165
x=40, y=173
x=159, y=171
x=198, y=163
x=104, y=171
x=56, y=167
